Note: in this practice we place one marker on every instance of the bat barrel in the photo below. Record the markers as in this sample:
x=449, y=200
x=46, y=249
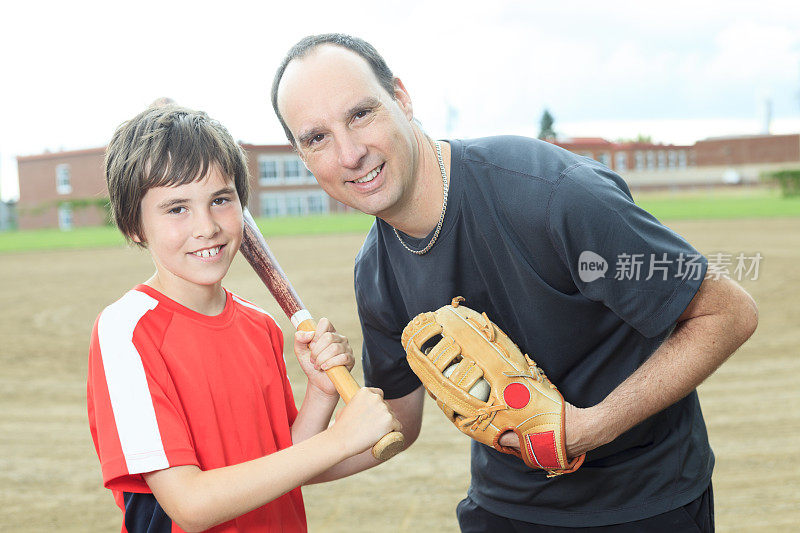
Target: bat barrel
x=258, y=254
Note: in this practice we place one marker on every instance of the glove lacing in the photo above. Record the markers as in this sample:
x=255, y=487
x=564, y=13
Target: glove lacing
x=483, y=417
x=534, y=372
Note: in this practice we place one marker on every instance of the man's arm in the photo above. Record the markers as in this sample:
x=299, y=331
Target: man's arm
x=408, y=411
x=719, y=319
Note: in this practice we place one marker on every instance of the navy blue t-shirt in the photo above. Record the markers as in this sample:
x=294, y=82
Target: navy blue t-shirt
x=552, y=247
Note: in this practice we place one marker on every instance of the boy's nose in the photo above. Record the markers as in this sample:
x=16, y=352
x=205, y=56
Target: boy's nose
x=204, y=226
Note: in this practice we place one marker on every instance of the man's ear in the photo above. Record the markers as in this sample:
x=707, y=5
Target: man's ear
x=403, y=99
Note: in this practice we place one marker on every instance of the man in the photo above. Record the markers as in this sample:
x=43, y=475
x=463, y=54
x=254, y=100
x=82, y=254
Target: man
x=505, y=222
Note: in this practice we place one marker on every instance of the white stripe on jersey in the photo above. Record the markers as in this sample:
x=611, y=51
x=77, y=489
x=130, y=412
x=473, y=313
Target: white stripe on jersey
x=131, y=402
x=252, y=306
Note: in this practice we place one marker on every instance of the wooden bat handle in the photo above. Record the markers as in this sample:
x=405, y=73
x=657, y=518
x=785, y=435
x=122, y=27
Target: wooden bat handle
x=390, y=444
x=255, y=250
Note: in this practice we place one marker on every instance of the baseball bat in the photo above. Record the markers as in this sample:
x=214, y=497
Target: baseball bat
x=254, y=248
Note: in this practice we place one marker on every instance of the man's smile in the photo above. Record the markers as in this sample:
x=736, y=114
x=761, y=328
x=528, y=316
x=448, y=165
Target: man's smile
x=370, y=175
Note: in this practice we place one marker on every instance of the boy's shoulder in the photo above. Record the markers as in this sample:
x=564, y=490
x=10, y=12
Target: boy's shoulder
x=150, y=313
x=128, y=310
x=133, y=311
x=249, y=307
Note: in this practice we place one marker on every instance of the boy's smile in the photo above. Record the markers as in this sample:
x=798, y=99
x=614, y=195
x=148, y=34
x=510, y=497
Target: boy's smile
x=193, y=232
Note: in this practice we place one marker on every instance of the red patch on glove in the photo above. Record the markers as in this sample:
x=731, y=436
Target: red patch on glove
x=516, y=395
x=541, y=448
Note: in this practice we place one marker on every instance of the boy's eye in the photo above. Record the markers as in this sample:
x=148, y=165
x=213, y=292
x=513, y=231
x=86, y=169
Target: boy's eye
x=177, y=210
x=221, y=200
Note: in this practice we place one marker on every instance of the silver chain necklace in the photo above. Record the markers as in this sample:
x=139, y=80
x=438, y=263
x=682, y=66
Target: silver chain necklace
x=444, y=208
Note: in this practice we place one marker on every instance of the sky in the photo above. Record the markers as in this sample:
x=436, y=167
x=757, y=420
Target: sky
x=679, y=71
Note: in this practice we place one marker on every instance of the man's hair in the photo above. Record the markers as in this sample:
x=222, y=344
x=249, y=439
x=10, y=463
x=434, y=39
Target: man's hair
x=164, y=146
x=307, y=44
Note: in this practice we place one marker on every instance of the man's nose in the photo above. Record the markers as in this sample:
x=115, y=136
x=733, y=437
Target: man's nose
x=351, y=150
x=204, y=224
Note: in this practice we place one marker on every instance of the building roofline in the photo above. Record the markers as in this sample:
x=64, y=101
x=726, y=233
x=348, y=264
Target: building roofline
x=749, y=137
x=268, y=147
x=60, y=154
x=101, y=150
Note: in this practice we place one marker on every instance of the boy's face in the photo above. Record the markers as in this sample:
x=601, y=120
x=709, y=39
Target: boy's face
x=192, y=231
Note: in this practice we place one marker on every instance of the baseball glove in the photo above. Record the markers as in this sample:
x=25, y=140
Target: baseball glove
x=487, y=386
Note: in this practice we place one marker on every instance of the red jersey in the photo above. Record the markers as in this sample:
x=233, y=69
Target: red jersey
x=168, y=386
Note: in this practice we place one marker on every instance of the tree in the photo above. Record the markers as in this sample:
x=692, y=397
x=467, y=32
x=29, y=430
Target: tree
x=546, y=131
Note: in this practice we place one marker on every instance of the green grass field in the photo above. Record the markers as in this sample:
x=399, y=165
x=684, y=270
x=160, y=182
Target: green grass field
x=105, y=236
x=715, y=204
x=667, y=206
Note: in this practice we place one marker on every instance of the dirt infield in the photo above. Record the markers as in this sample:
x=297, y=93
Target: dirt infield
x=49, y=476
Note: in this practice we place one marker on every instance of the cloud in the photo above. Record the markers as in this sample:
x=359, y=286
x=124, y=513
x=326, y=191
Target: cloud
x=500, y=66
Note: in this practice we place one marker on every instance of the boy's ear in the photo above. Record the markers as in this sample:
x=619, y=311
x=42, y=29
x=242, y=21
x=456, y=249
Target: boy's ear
x=135, y=238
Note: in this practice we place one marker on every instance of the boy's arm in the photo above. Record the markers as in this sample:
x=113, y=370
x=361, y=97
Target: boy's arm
x=316, y=352
x=408, y=411
x=314, y=414
x=197, y=500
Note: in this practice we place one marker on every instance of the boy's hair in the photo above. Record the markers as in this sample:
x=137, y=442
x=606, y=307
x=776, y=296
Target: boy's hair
x=165, y=146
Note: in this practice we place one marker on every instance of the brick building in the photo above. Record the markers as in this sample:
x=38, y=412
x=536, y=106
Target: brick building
x=61, y=189
x=68, y=189
x=715, y=161
x=637, y=156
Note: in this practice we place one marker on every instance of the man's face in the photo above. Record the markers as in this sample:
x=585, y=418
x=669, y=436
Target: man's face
x=355, y=138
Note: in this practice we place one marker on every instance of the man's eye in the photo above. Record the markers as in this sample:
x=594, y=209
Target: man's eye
x=316, y=138
x=361, y=114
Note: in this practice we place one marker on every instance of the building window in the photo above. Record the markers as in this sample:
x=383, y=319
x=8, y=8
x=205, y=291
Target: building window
x=682, y=158
x=267, y=171
x=639, y=160
x=673, y=158
x=621, y=161
x=662, y=159
x=604, y=158
x=275, y=170
x=651, y=160
x=293, y=203
x=292, y=169
x=270, y=206
x=63, y=181
x=317, y=204
x=65, y=217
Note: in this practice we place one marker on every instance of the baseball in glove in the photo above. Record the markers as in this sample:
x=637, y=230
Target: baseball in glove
x=486, y=386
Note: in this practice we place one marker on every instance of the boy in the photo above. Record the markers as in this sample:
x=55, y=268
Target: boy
x=190, y=408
